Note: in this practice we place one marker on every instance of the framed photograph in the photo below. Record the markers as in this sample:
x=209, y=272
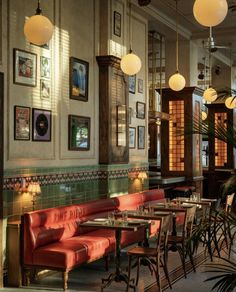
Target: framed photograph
x=79, y=72
x=140, y=85
x=25, y=68
x=141, y=137
x=132, y=83
x=44, y=89
x=117, y=23
x=140, y=110
x=21, y=123
x=121, y=125
x=45, y=66
x=79, y=133
x=41, y=125
x=132, y=137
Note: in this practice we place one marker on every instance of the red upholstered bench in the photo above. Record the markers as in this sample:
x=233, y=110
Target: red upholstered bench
x=53, y=238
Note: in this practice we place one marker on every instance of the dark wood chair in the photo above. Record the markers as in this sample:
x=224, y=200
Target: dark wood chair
x=153, y=257
x=179, y=242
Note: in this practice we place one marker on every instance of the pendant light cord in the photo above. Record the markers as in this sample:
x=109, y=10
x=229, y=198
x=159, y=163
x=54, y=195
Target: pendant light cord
x=177, y=36
x=130, y=29
x=38, y=10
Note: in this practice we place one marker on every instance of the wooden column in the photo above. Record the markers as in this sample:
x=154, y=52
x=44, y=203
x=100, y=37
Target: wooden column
x=113, y=109
x=181, y=154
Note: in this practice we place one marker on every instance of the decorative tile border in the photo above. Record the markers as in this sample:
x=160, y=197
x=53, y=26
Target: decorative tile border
x=68, y=176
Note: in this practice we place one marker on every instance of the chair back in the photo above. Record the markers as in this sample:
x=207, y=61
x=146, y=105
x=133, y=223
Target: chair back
x=189, y=218
x=163, y=231
x=229, y=202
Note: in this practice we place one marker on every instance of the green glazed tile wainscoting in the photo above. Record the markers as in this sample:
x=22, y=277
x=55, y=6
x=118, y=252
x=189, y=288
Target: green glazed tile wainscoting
x=66, y=186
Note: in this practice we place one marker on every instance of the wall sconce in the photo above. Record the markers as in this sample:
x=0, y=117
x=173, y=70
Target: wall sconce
x=34, y=189
x=142, y=176
x=133, y=175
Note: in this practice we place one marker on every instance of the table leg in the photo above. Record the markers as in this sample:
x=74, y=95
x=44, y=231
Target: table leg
x=118, y=275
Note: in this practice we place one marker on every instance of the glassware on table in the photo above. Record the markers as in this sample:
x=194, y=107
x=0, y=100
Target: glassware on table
x=111, y=218
x=125, y=217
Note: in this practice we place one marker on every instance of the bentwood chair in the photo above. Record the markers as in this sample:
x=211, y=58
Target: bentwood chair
x=153, y=257
x=179, y=242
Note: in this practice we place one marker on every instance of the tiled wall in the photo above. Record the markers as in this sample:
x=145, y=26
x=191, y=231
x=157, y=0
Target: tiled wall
x=64, y=186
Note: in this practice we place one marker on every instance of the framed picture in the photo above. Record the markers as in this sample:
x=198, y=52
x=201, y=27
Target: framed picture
x=25, y=68
x=132, y=137
x=79, y=133
x=41, y=125
x=21, y=123
x=45, y=66
x=132, y=83
x=117, y=23
x=140, y=85
x=141, y=137
x=140, y=110
x=130, y=113
x=79, y=72
x=44, y=88
x=121, y=125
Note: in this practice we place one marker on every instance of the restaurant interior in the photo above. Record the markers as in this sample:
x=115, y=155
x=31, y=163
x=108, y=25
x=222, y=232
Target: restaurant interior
x=117, y=131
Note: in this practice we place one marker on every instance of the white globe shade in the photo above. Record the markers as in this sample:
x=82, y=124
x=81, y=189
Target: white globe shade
x=204, y=116
x=130, y=64
x=177, y=82
x=210, y=94
x=210, y=12
x=38, y=30
x=230, y=102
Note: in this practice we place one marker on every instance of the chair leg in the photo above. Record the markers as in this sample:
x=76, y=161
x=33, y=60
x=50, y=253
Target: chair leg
x=181, y=251
x=138, y=268
x=129, y=272
x=157, y=272
x=65, y=279
x=106, y=259
x=165, y=268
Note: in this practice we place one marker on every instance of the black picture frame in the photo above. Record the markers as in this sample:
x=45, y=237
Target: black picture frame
x=141, y=137
x=132, y=137
x=24, y=68
x=140, y=85
x=45, y=67
x=21, y=123
x=132, y=84
x=140, y=110
x=79, y=133
x=79, y=78
x=117, y=23
x=41, y=125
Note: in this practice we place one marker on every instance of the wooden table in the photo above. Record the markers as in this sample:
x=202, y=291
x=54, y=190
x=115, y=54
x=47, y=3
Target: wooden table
x=118, y=226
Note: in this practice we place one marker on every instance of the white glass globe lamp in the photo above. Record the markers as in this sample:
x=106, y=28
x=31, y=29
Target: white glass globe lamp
x=177, y=82
x=130, y=64
x=210, y=12
x=38, y=29
x=230, y=102
x=210, y=94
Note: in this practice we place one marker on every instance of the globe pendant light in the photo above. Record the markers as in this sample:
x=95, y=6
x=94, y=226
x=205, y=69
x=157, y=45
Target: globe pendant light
x=177, y=81
x=130, y=64
x=230, y=102
x=210, y=93
x=38, y=29
x=210, y=12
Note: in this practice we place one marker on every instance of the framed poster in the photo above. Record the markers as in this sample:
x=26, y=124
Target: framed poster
x=44, y=89
x=79, y=75
x=132, y=83
x=140, y=85
x=21, y=123
x=45, y=67
x=140, y=110
x=25, y=68
x=130, y=113
x=132, y=137
x=141, y=137
x=117, y=23
x=41, y=125
x=79, y=133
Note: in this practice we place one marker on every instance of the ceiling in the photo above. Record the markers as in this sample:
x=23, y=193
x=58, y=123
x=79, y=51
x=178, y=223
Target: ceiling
x=224, y=34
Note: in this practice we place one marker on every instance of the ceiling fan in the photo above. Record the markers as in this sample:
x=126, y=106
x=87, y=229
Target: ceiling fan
x=210, y=43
